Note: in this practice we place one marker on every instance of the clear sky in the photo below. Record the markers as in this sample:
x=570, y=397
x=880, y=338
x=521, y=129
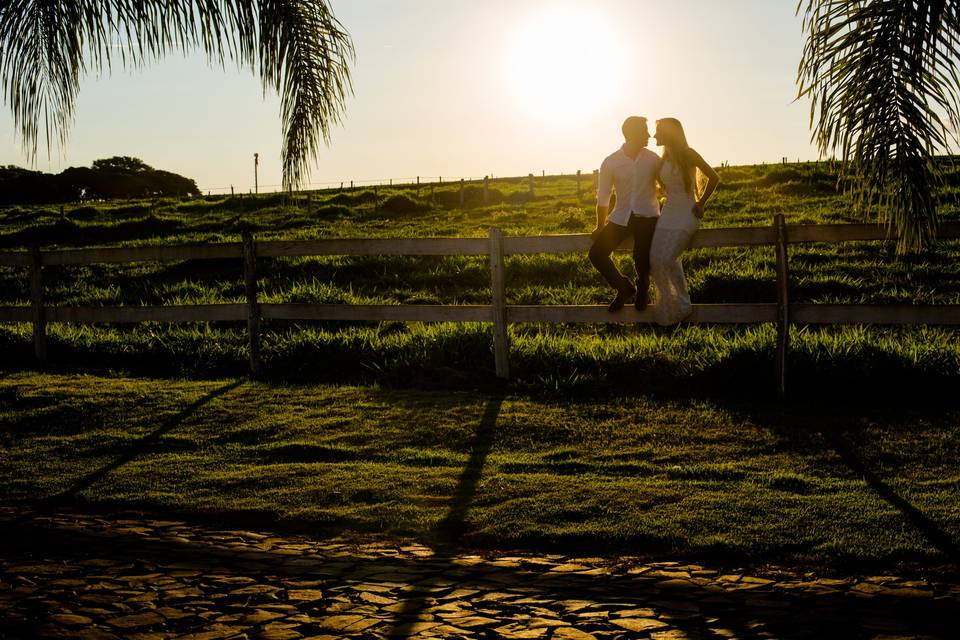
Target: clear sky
x=464, y=89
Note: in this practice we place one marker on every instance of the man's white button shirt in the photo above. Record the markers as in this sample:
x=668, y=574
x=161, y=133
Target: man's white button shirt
x=634, y=182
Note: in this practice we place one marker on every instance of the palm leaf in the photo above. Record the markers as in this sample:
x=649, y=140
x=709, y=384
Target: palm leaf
x=882, y=79
x=298, y=48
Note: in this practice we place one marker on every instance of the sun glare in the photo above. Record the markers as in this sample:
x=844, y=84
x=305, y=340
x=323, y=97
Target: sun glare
x=563, y=63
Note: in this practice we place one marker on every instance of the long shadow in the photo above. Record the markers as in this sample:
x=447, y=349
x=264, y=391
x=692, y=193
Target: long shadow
x=143, y=445
x=453, y=524
x=449, y=530
x=789, y=424
x=936, y=536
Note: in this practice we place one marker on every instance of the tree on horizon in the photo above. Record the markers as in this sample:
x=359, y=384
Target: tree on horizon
x=125, y=164
x=883, y=80
x=116, y=177
x=298, y=47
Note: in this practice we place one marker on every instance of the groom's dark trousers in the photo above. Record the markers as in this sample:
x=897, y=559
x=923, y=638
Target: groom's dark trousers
x=610, y=237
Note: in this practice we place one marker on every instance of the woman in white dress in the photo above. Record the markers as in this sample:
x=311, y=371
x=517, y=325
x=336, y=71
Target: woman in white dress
x=679, y=219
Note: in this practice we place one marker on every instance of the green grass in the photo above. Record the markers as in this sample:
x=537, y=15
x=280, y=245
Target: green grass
x=550, y=357
x=612, y=438
x=739, y=482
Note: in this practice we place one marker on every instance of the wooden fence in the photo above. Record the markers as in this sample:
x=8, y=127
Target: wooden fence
x=783, y=313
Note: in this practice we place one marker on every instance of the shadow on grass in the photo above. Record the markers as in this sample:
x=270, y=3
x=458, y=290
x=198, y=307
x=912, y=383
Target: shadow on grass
x=449, y=531
x=453, y=524
x=790, y=423
x=930, y=530
x=144, y=445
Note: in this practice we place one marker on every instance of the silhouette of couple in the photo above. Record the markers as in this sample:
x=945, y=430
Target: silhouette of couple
x=660, y=235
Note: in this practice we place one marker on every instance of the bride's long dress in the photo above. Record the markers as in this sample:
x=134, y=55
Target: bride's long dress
x=675, y=228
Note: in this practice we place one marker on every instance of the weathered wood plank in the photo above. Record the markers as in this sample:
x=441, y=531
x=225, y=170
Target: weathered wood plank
x=949, y=230
x=800, y=313
x=783, y=304
x=804, y=313
x=183, y=313
x=16, y=314
x=567, y=243
x=855, y=232
x=253, y=309
x=733, y=237
x=580, y=242
x=375, y=247
x=501, y=336
x=36, y=300
x=571, y=243
x=410, y=312
x=15, y=258
x=143, y=254
x=702, y=314
x=836, y=232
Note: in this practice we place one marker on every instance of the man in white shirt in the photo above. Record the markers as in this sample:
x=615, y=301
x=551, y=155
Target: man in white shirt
x=631, y=172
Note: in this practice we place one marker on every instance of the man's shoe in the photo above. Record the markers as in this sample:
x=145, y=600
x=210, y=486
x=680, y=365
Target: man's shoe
x=623, y=295
x=643, y=297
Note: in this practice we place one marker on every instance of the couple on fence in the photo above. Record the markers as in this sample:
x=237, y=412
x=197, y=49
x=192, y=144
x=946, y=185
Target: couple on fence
x=659, y=235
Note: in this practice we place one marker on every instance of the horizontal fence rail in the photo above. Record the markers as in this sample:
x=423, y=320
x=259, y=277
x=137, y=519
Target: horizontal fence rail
x=783, y=313
x=522, y=245
x=757, y=313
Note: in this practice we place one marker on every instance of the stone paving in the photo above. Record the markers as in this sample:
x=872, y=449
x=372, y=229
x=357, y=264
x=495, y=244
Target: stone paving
x=67, y=574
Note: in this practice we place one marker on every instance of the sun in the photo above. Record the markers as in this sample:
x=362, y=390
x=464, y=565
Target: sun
x=563, y=63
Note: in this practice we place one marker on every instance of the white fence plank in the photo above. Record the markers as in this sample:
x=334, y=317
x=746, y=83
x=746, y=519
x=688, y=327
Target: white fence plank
x=803, y=313
x=421, y=313
x=702, y=314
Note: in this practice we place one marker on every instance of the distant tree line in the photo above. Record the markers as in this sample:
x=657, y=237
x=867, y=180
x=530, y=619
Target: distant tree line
x=117, y=177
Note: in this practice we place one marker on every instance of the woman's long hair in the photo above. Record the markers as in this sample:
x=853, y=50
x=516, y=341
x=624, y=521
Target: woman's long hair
x=675, y=146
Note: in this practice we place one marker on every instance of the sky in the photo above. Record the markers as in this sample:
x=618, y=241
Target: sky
x=451, y=88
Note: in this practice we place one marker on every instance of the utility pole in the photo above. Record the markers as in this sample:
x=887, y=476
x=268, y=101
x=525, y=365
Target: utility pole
x=256, y=163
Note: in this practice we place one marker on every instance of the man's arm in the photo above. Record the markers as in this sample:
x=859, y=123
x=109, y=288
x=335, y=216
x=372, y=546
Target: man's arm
x=604, y=191
x=602, y=211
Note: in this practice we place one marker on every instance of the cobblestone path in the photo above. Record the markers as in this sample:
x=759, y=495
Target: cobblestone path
x=68, y=574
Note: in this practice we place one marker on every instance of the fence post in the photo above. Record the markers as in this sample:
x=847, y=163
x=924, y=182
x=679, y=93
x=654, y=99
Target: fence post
x=461, y=193
x=36, y=299
x=501, y=339
x=579, y=193
x=783, y=305
x=253, y=308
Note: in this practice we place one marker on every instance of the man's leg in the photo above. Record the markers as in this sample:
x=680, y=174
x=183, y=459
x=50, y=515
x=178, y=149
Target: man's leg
x=606, y=242
x=642, y=230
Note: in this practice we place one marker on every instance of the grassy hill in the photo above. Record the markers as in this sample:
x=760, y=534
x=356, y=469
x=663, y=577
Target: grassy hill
x=561, y=358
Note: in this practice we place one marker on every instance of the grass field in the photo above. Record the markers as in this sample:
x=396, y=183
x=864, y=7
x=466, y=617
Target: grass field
x=724, y=482
x=611, y=438
x=587, y=358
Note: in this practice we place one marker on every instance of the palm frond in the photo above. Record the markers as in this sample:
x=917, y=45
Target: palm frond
x=298, y=47
x=882, y=80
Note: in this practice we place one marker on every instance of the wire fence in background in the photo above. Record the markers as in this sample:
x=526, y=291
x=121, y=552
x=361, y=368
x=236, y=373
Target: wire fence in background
x=415, y=181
